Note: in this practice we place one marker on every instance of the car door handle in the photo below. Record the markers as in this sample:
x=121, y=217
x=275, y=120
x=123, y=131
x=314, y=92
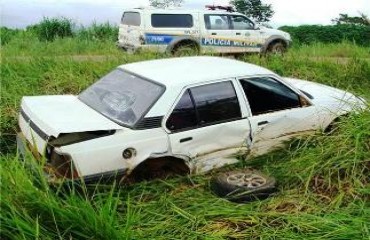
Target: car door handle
x=213, y=33
x=238, y=33
x=186, y=139
x=262, y=123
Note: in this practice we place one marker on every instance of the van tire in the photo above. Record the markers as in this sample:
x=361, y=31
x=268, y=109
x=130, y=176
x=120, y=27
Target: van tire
x=243, y=185
x=276, y=48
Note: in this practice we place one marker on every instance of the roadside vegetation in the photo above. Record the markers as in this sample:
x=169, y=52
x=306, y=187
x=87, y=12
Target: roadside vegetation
x=306, y=34
x=324, y=183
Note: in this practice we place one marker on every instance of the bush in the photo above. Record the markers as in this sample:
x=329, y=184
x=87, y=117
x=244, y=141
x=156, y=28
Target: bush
x=50, y=28
x=307, y=34
x=105, y=31
x=7, y=34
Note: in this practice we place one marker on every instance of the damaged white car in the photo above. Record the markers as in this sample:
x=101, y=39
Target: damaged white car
x=179, y=115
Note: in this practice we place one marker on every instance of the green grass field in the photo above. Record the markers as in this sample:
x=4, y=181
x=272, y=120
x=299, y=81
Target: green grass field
x=324, y=180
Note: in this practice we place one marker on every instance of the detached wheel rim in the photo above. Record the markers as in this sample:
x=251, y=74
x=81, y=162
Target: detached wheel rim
x=249, y=180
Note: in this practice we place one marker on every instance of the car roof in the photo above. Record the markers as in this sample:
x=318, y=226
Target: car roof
x=186, y=71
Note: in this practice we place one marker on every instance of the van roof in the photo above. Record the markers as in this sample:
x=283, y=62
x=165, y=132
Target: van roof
x=192, y=70
x=180, y=11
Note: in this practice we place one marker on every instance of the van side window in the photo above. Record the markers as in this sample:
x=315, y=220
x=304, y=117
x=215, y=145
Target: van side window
x=265, y=95
x=217, y=22
x=131, y=18
x=241, y=23
x=172, y=20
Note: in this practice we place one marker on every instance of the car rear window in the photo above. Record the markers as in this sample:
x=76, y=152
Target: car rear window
x=131, y=18
x=122, y=97
x=172, y=20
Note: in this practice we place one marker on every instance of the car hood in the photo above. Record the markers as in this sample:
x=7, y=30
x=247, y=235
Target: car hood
x=327, y=96
x=55, y=115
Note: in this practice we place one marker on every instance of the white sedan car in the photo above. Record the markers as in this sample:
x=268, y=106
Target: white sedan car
x=179, y=115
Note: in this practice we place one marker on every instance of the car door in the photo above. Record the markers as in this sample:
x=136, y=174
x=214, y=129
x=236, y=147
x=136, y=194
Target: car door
x=249, y=38
x=277, y=112
x=207, y=126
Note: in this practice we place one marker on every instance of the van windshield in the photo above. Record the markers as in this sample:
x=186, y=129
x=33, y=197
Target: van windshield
x=122, y=97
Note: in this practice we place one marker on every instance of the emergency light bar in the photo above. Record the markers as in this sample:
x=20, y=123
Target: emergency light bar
x=218, y=7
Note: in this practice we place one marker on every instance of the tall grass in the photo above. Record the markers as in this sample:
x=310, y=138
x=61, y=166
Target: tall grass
x=324, y=184
x=60, y=36
x=102, y=32
x=51, y=28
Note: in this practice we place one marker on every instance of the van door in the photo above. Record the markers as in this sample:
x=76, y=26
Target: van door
x=217, y=34
x=130, y=31
x=249, y=38
x=206, y=125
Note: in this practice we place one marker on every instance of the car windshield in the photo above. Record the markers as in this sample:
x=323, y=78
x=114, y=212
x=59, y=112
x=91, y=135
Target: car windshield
x=122, y=97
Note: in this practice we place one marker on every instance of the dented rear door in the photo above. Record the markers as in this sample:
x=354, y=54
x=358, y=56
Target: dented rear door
x=207, y=125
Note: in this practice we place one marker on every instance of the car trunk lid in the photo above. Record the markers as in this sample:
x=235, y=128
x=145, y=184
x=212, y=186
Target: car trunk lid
x=54, y=115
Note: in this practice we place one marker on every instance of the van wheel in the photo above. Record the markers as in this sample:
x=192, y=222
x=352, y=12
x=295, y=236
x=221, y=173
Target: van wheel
x=277, y=48
x=243, y=185
x=186, y=49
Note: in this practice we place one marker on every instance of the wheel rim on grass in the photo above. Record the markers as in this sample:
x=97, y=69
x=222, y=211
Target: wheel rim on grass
x=249, y=180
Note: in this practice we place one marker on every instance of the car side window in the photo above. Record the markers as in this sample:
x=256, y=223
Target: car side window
x=265, y=95
x=184, y=115
x=216, y=102
x=241, y=23
x=217, y=22
x=208, y=104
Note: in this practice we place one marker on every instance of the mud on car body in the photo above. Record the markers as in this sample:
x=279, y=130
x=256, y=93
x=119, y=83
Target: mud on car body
x=172, y=31
x=179, y=115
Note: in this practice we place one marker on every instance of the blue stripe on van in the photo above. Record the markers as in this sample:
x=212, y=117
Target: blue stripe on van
x=153, y=38
x=165, y=39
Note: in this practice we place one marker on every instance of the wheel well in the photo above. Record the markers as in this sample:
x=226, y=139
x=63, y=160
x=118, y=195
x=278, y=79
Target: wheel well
x=333, y=125
x=162, y=167
x=185, y=42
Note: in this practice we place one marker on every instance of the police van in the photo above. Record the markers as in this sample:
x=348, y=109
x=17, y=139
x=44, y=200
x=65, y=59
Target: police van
x=216, y=29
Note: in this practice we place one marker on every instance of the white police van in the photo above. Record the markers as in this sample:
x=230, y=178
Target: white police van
x=211, y=30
